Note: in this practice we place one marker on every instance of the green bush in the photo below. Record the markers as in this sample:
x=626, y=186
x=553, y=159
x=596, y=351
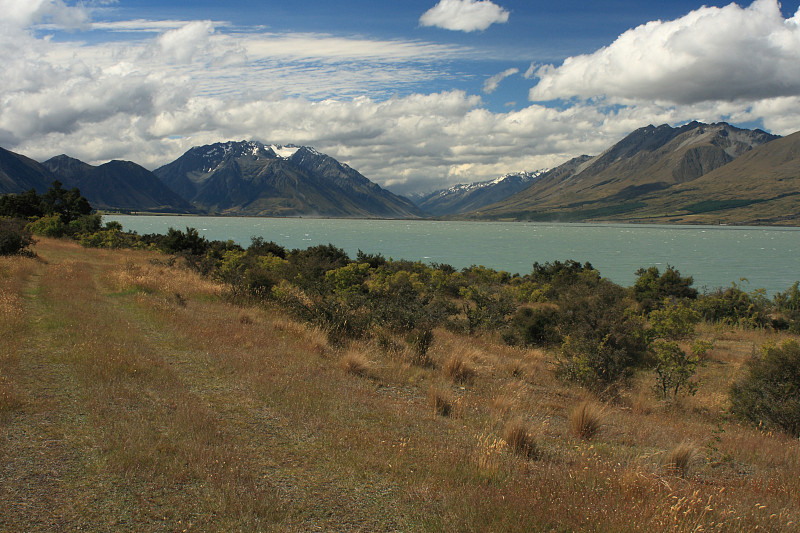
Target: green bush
x=674, y=368
x=534, y=326
x=734, y=306
x=651, y=287
x=787, y=306
x=14, y=238
x=49, y=226
x=605, y=339
x=769, y=393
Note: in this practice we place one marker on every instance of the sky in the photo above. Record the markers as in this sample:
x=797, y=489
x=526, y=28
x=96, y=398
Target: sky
x=417, y=95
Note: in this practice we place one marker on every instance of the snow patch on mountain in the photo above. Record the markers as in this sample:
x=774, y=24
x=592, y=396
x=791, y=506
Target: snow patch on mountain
x=284, y=152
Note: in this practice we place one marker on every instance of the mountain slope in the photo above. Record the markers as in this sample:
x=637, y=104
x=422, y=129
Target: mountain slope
x=463, y=198
x=249, y=178
x=19, y=174
x=760, y=187
x=620, y=183
x=118, y=185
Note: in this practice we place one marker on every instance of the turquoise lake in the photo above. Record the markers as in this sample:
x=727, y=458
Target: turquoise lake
x=715, y=256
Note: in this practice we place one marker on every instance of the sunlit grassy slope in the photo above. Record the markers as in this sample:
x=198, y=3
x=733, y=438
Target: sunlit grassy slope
x=134, y=398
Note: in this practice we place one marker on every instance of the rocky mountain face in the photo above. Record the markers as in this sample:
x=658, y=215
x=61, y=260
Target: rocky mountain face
x=469, y=197
x=250, y=178
x=117, y=185
x=619, y=184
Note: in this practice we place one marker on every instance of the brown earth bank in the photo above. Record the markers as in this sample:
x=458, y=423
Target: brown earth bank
x=134, y=397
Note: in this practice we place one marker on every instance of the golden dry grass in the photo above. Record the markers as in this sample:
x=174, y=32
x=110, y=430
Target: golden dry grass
x=586, y=419
x=441, y=400
x=355, y=362
x=681, y=459
x=519, y=438
x=139, y=411
x=459, y=370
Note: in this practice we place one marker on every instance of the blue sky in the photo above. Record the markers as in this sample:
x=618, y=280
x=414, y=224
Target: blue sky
x=417, y=95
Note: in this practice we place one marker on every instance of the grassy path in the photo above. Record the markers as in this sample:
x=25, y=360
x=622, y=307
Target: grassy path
x=139, y=413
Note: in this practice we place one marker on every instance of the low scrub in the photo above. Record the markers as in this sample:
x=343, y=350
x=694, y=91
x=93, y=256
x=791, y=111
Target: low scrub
x=15, y=238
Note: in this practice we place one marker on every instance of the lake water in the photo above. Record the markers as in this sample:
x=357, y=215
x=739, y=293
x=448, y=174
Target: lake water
x=714, y=255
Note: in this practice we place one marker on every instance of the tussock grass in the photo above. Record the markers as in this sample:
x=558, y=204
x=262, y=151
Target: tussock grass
x=441, y=400
x=680, y=460
x=519, y=438
x=459, y=370
x=355, y=362
x=586, y=419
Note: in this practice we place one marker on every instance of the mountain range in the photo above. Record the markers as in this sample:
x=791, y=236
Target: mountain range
x=117, y=185
x=250, y=178
x=469, y=197
x=696, y=173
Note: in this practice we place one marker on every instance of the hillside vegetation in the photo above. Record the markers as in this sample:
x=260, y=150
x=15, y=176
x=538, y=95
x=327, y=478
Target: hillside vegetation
x=137, y=394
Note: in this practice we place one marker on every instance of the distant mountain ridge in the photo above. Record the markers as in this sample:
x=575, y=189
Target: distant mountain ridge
x=117, y=185
x=468, y=197
x=635, y=176
x=251, y=178
x=19, y=174
x=695, y=173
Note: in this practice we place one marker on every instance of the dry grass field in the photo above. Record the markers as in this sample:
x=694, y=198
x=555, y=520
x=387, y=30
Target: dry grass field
x=133, y=397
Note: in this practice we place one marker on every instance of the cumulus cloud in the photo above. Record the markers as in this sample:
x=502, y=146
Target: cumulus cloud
x=28, y=12
x=491, y=84
x=464, y=15
x=711, y=54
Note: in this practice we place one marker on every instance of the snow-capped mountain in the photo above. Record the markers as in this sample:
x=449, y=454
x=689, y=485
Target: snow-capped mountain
x=251, y=178
x=468, y=197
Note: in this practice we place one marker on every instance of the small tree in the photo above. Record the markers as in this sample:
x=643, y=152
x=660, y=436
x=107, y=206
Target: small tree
x=652, y=287
x=674, y=367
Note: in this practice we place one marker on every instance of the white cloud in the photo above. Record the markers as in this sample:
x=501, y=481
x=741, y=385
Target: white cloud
x=711, y=54
x=151, y=98
x=24, y=13
x=491, y=84
x=464, y=15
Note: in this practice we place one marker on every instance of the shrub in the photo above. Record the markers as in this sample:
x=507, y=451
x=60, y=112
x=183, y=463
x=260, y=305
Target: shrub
x=651, y=287
x=419, y=342
x=85, y=225
x=787, y=304
x=534, y=327
x=674, y=367
x=518, y=437
x=49, y=226
x=769, y=393
x=14, y=237
x=606, y=340
x=586, y=419
x=736, y=307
